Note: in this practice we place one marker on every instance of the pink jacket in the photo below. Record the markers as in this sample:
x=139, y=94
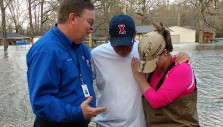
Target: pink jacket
x=178, y=83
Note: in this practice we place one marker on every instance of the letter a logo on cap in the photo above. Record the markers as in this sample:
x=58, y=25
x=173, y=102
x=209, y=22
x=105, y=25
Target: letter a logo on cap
x=122, y=29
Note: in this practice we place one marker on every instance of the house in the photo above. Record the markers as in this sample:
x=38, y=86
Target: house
x=141, y=30
x=182, y=35
x=36, y=38
x=178, y=34
x=208, y=35
x=12, y=38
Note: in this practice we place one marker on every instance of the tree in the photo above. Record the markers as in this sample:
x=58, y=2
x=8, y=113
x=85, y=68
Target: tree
x=30, y=3
x=202, y=7
x=105, y=9
x=144, y=8
x=4, y=4
x=17, y=14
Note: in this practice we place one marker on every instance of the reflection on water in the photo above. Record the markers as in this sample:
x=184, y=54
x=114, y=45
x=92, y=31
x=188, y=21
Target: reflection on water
x=208, y=66
x=6, y=54
x=15, y=110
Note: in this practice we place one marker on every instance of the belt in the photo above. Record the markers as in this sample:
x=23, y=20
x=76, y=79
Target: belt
x=39, y=122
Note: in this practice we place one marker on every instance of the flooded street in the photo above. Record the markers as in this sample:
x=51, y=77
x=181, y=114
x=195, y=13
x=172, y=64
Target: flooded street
x=207, y=61
x=208, y=67
x=15, y=110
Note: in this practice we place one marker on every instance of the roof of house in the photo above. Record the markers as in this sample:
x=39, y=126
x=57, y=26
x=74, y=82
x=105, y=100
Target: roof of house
x=179, y=27
x=11, y=35
x=144, y=29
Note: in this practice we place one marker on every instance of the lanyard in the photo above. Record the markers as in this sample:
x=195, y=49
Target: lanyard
x=77, y=63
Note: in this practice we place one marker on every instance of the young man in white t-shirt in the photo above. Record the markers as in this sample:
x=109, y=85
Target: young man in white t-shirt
x=111, y=63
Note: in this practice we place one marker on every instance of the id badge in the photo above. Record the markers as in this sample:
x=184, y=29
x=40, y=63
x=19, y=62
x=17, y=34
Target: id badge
x=85, y=90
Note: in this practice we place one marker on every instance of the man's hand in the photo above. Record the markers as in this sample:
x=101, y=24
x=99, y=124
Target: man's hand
x=182, y=57
x=89, y=112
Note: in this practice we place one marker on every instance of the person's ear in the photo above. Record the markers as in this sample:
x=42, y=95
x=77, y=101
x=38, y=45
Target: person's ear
x=72, y=18
x=165, y=52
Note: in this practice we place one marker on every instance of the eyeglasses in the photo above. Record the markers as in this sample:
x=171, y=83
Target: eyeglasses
x=91, y=22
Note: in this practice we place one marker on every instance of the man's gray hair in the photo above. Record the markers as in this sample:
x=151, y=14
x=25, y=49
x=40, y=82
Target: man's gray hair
x=72, y=6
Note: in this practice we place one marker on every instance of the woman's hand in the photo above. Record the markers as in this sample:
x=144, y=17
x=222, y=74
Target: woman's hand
x=182, y=57
x=138, y=75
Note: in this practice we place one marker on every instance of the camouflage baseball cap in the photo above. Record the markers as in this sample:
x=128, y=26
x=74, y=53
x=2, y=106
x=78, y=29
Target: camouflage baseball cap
x=150, y=47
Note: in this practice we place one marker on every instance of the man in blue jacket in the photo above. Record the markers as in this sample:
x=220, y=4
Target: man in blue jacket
x=59, y=70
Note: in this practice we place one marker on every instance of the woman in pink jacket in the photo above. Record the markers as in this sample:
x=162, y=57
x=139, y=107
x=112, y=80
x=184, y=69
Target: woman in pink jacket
x=170, y=94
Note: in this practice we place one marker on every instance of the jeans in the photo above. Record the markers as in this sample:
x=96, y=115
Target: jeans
x=39, y=122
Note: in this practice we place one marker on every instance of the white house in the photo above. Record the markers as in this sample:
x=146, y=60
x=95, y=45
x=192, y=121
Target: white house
x=178, y=34
x=36, y=38
x=182, y=35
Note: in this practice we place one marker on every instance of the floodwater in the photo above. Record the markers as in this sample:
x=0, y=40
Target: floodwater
x=207, y=61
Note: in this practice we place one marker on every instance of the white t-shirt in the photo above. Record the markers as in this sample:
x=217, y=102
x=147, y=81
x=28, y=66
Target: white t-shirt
x=118, y=89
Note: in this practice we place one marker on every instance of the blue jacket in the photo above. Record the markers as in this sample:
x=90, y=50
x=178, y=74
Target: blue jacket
x=54, y=78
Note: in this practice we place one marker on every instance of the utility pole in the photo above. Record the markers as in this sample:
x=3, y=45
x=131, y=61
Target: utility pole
x=201, y=22
x=125, y=7
x=90, y=41
x=178, y=19
x=215, y=19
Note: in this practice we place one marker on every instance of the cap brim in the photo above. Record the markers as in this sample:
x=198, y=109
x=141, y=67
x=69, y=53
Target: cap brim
x=147, y=66
x=117, y=41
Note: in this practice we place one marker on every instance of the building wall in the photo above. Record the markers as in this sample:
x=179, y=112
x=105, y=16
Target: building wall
x=139, y=36
x=13, y=41
x=175, y=39
x=36, y=38
x=186, y=35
